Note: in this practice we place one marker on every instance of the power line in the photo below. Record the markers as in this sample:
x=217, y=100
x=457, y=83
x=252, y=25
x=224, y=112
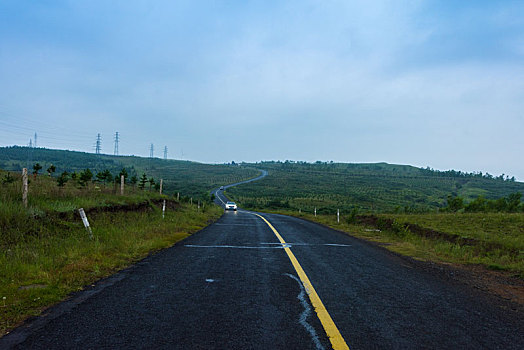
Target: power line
x=51, y=130
x=98, y=144
x=117, y=139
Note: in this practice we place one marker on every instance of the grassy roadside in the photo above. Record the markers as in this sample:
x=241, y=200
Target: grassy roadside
x=494, y=240
x=46, y=253
x=41, y=271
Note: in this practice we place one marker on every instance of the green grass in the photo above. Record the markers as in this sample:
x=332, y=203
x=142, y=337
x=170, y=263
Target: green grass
x=46, y=253
x=505, y=229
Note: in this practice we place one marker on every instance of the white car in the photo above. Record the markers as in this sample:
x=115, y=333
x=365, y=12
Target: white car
x=231, y=206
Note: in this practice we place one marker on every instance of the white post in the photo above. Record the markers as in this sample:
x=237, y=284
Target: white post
x=24, y=187
x=122, y=180
x=163, y=209
x=178, y=196
x=299, y=210
x=338, y=216
x=191, y=201
x=161, y=185
x=315, y=211
x=199, y=204
x=85, y=221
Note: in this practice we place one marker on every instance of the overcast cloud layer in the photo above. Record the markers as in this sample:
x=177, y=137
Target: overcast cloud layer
x=426, y=83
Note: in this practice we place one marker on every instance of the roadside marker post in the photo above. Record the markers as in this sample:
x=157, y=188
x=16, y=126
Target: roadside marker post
x=315, y=211
x=24, y=187
x=163, y=209
x=122, y=180
x=161, y=185
x=86, y=222
x=338, y=216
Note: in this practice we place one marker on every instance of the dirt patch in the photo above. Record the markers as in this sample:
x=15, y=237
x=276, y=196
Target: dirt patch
x=136, y=207
x=121, y=208
x=170, y=204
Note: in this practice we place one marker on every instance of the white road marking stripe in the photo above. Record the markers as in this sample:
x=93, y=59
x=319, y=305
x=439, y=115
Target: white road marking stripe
x=266, y=246
x=236, y=225
x=232, y=246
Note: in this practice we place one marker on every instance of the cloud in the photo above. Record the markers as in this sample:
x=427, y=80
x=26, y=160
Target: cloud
x=426, y=83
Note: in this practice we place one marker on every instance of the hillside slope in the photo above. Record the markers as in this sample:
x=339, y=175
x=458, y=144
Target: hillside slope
x=372, y=187
x=189, y=178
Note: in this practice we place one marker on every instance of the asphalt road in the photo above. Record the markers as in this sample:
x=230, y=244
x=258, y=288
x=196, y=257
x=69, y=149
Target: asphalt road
x=233, y=286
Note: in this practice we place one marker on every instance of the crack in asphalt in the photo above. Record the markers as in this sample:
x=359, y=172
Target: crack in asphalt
x=307, y=312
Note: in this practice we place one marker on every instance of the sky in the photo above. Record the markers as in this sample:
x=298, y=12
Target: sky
x=424, y=83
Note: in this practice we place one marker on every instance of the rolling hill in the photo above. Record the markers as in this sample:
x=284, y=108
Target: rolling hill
x=378, y=187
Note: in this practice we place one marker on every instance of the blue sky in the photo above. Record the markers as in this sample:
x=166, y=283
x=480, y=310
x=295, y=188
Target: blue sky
x=426, y=83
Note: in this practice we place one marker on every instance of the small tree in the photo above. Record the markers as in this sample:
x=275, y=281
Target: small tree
x=498, y=205
x=455, y=203
x=108, y=176
x=51, y=169
x=134, y=180
x=85, y=177
x=123, y=172
x=476, y=206
x=8, y=179
x=62, y=179
x=36, y=168
x=513, y=201
x=100, y=177
x=151, y=183
x=143, y=180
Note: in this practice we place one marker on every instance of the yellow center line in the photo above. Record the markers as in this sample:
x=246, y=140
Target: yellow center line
x=336, y=339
